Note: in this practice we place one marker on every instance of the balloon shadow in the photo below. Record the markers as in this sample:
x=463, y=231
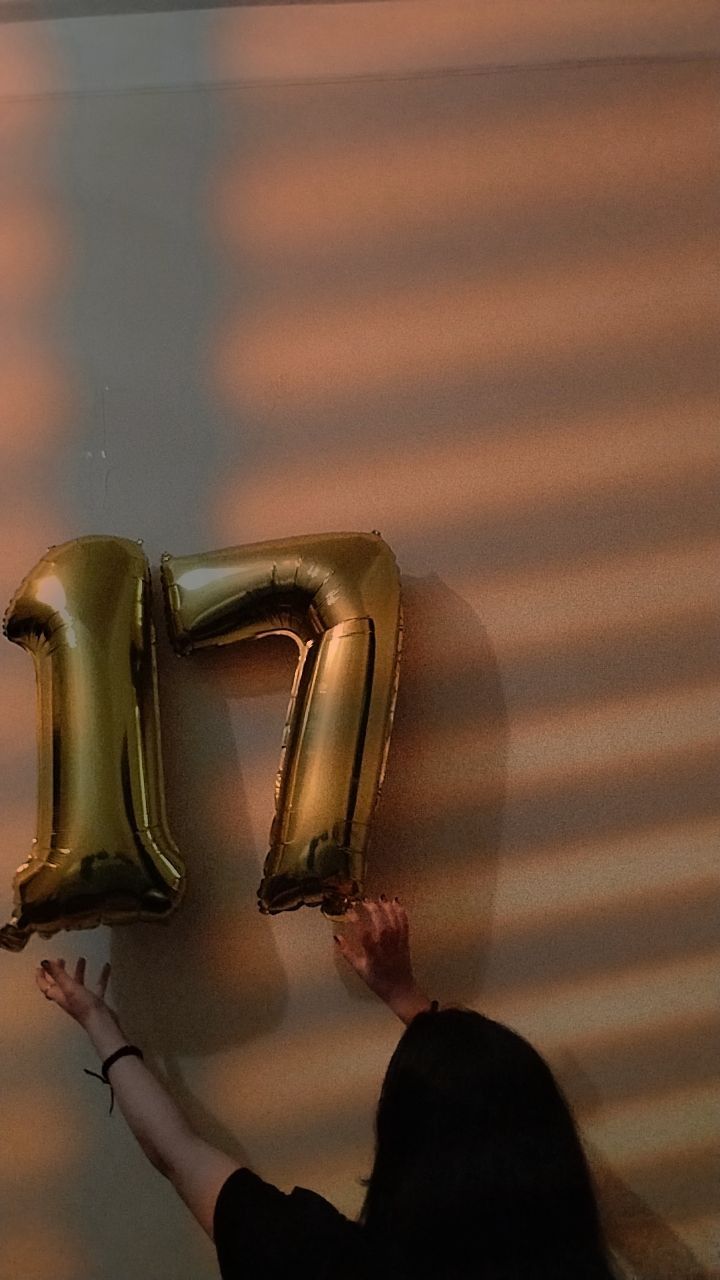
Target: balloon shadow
x=209, y=978
x=430, y=846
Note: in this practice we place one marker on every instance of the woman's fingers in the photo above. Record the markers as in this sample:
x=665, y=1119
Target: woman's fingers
x=104, y=979
x=370, y=927
x=401, y=920
x=57, y=970
x=358, y=923
x=387, y=917
x=355, y=940
x=350, y=923
x=356, y=959
x=377, y=917
x=51, y=989
x=42, y=982
x=57, y=976
x=374, y=915
x=388, y=914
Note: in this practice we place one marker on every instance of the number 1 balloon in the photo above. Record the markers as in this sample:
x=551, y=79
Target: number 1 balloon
x=338, y=596
x=103, y=852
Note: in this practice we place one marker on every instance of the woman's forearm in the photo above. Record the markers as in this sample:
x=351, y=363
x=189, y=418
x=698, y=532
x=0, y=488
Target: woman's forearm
x=151, y=1113
x=406, y=1001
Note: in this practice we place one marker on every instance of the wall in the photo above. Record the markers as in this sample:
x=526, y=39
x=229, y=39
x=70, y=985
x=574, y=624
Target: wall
x=447, y=274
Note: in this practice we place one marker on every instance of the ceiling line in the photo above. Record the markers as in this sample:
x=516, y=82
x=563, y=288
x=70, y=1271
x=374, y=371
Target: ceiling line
x=42, y=10
x=430, y=73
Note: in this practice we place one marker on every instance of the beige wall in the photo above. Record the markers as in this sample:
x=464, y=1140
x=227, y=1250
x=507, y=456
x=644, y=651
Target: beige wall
x=418, y=268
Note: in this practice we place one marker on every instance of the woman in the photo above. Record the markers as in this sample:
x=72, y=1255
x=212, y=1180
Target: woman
x=478, y=1168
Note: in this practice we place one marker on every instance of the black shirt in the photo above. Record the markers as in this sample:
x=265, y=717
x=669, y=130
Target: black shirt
x=261, y=1232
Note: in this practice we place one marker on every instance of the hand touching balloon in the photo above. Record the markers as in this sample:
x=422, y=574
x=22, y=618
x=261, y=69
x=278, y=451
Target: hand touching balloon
x=71, y=993
x=376, y=944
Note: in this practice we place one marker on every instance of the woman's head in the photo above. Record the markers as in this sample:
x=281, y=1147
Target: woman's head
x=478, y=1168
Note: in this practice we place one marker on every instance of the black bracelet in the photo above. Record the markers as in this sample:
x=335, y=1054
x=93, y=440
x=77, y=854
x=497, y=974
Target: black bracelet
x=119, y=1053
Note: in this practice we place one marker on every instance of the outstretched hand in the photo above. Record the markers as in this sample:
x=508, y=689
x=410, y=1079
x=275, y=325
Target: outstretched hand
x=376, y=943
x=71, y=993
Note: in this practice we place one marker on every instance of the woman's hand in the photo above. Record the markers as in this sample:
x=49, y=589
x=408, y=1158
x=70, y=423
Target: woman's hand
x=70, y=993
x=376, y=943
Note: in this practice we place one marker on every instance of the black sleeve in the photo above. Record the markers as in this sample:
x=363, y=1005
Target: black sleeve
x=251, y=1226
x=261, y=1232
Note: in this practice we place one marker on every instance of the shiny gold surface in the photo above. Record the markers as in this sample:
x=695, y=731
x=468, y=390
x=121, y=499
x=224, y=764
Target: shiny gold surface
x=338, y=595
x=103, y=852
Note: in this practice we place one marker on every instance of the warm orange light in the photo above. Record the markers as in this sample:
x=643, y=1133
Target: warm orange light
x=526, y=612
x=26, y=523
x=29, y=70
x=17, y=700
x=281, y=43
x=452, y=477
x=322, y=1074
x=650, y=994
x=559, y=746
x=33, y=252
x=326, y=348
x=549, y=886
x=643, y=1130
x=41, y=1133
x=461, y=181
x=478, y=319
x=34, y=1246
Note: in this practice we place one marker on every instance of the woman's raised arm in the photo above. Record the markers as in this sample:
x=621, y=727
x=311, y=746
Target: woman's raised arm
x=196, y=1169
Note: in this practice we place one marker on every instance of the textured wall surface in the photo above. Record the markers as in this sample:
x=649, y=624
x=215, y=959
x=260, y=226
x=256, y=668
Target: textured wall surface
x=405, y=267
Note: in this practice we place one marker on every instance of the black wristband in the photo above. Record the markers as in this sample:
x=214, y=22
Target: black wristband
x=113, y=1057
x=120, y=1053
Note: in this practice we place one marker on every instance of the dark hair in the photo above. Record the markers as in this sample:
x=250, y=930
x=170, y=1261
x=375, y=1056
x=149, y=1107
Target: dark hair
x=479, y=1171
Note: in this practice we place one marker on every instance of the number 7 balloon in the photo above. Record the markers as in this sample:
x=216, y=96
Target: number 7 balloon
x=103, y=852
x=338, y=596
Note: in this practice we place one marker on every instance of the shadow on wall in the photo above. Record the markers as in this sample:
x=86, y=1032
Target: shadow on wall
x=653, y=1250
x=501, y=284
x=449, y=737
x=212, y=978
x=633, y=1230
x=178, y=986
x=209, y=979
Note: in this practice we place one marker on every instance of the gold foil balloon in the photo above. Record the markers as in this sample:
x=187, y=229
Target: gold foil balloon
x=103, y=853
x=338, y=595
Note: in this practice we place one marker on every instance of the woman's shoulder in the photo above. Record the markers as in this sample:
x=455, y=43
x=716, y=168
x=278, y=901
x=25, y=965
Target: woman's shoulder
x=245, y=1190
x=312, y=1203
x=260, y=1230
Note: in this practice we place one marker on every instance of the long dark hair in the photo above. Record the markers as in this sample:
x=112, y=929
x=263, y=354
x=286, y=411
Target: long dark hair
x=479, y=1171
